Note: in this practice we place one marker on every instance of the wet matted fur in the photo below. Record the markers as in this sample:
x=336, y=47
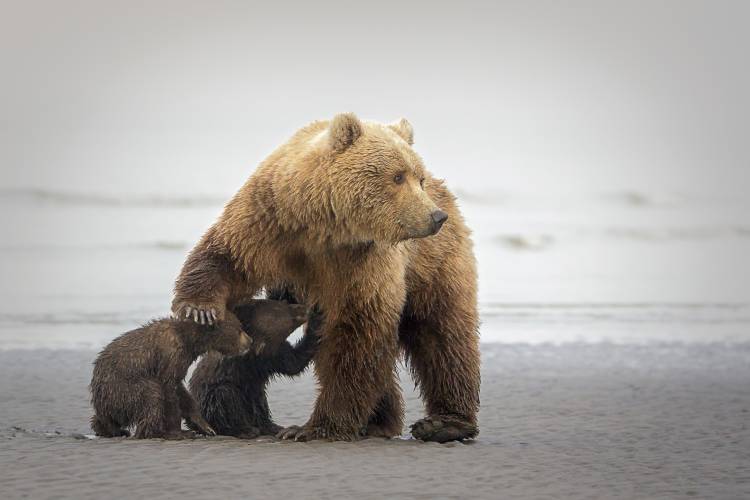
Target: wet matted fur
x=138, y=378
x=231, y=391
x=346, y=214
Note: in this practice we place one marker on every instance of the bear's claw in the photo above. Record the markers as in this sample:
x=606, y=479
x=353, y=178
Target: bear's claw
x=204, y=314
x=303, y=433
x=443, y=428
x=197, y=424
x=312, y=433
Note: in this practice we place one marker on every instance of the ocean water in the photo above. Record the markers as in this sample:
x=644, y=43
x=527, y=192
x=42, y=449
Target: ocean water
x=79, y=268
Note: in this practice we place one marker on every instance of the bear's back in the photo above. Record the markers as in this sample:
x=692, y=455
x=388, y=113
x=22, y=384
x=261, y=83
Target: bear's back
x=136, y=353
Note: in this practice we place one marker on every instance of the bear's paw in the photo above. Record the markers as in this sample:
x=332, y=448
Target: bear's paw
x=443, y=428
x=205, y=313
x=313, y=433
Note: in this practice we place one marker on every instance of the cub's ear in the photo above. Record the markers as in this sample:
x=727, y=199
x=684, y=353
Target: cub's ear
x=345, y=128
x=403, y=128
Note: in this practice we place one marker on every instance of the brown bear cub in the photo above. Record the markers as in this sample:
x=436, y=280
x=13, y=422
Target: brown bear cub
x=138, y=378
x=231, y=391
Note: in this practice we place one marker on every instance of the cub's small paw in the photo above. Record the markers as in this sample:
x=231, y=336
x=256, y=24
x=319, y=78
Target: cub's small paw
x=200, y=312
x=443, y=428
x=288, y=433
x=311, y=434
x=177, y=435
x=304, y=433
x=378, y=431
x=207, y=431
x=197, y=425
x=251, y=433
x=271, y=430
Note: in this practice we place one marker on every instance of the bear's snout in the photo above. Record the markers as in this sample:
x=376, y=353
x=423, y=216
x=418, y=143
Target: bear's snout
x=438, y=218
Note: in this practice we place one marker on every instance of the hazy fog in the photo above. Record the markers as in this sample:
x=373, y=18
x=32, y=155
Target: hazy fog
x=166, y=97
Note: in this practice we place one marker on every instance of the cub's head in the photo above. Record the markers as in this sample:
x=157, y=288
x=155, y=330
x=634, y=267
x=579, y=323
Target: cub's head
x=270, y=322
x=376, y=182
x=228, y=337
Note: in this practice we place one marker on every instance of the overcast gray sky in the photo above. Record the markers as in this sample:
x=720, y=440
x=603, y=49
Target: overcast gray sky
x=166, y=97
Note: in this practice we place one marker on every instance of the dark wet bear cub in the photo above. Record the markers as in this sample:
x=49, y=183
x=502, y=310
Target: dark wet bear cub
x=231, y=392
x=137, y=379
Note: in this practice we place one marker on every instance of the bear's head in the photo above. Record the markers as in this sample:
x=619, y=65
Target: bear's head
x=376, y=182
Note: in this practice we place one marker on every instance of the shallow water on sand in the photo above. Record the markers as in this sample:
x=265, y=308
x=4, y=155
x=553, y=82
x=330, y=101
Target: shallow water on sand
x=627, y=267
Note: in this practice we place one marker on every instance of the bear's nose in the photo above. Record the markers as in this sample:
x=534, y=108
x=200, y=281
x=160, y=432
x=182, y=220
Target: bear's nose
x=438, y=217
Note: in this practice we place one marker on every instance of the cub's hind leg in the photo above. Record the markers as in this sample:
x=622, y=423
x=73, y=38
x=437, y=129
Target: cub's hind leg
x=152, y=417
x=190, y=412
x=226, y=411
x=107, y=427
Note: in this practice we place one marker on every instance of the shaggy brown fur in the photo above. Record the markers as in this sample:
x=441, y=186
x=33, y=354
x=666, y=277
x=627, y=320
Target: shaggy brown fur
x=231, y=391
x=344, y=213
x=137, y=378
x=270, y=321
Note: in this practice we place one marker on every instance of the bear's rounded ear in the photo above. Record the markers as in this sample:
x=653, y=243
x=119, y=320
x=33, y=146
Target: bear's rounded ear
x=403, y=128
x=345, y=128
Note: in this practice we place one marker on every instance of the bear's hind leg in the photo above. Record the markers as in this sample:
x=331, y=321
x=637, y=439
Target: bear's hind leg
x=443, y=354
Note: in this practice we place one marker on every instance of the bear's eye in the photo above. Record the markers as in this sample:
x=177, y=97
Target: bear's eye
x=398, y=178
x=421, y=182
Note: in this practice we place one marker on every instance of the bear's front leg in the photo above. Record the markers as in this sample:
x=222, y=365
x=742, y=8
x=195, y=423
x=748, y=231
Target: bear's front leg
x=205, y=283
x=354, y=365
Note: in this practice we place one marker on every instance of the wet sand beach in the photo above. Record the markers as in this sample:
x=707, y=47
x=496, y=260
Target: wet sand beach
x=557, y=421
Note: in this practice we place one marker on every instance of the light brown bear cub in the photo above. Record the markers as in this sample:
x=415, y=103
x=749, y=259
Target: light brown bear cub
x=138, y=378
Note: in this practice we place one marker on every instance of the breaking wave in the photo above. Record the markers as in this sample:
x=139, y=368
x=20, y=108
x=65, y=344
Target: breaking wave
x=168, y=246
x=645, y=312
x=67, y=318
x=641, y=199
x=523, y=242
x=677, y=233
x=535, y=242
x=100, y=200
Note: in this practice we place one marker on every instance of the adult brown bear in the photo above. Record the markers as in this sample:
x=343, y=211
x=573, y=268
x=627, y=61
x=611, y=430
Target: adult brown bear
x=346, y=216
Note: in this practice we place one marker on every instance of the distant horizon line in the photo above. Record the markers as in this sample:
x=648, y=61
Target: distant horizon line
x=623, y=197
